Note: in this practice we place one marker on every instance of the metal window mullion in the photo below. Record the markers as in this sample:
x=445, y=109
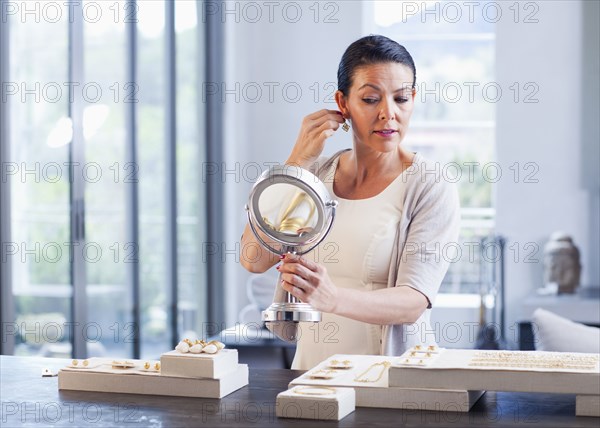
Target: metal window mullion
x=203, y=226
x=7, y=309
x=132, y=185
x=77, y=188
x=171, y=169
x=214, y=42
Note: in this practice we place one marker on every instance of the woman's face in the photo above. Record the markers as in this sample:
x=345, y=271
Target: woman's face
x=379, y=104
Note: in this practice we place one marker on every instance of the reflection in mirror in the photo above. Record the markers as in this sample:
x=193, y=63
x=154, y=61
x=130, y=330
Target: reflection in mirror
x=287, y=209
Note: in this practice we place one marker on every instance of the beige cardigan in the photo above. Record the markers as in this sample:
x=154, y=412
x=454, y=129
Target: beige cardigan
x=425, y=237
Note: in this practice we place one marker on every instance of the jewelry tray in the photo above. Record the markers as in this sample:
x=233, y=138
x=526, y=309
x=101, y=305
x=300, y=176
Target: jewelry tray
x=102, y=377
x=453, y=368
x=379, y=395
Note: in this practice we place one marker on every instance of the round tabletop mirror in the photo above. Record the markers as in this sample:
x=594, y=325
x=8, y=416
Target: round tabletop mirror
x=294, y=210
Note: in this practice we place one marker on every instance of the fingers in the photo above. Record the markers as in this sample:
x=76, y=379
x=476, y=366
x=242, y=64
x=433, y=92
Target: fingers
x=323, y=113
x=327, y=130
x=303, y=261
x=296, y=285
x=297, y=281
x=290, y=270
x=295, y=291
x=326, y=125
x=327, y=133
x=304, y=230
x=299, y=273
x=327, y=121
x=307, y=281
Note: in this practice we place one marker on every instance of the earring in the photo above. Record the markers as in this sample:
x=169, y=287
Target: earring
x=345, y=126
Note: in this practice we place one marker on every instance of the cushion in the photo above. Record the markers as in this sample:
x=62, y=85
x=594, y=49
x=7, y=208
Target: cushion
x=555, y=333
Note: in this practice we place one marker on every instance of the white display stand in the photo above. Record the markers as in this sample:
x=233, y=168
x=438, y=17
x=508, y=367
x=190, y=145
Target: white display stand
x=308, y=402
x=453, y=379
x=212, y=366
x=101, y=376
x=515, y=371
x=587, y=405
x=380, y=394
x=456, y=368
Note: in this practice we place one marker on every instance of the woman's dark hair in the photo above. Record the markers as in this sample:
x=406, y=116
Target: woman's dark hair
x=369, y=50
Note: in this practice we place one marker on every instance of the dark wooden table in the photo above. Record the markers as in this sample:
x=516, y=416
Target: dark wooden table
x=27, y=399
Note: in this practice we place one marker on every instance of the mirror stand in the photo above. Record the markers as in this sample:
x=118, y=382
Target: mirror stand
x=286, y=307
x=292, y=208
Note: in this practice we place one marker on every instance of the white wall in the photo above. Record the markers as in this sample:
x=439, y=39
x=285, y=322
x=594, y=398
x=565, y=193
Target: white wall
x=548, y=133
x=280, y=53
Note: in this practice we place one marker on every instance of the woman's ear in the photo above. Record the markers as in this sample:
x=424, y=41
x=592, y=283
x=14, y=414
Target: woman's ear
x=342, y=103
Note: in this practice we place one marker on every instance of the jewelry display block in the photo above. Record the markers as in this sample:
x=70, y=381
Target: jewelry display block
x=315, y=402
x=377, y=393
x=417, y=399
x=176, y=364
x=587, y=405
x=347, y=377
x=101, y=376
x=518, y=371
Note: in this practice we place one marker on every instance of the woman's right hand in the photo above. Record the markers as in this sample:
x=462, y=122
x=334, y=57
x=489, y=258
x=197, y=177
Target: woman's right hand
x=316, y=128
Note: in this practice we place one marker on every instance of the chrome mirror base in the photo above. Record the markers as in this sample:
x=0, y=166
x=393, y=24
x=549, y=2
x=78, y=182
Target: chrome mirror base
x=282, y=319
x=296, y=312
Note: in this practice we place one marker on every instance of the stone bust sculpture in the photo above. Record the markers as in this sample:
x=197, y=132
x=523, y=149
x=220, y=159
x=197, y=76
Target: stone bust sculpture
x=561, y=263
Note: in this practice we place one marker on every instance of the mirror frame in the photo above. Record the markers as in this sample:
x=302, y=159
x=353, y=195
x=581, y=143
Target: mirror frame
x=307, y=182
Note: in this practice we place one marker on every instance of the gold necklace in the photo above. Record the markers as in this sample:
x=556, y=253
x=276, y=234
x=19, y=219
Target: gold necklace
x=323, y=374
x=532, y=360
x=314, y=390
x=384, y=365
x=550, y=365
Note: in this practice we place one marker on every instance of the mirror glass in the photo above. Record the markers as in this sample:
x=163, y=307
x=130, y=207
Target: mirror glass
x=288, y=210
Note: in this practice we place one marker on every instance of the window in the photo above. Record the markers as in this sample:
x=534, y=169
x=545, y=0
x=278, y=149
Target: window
x=88, y=90
x=39, y=186
x=454, y=117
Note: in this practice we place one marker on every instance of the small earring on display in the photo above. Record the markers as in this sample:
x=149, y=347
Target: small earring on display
x=346, y=126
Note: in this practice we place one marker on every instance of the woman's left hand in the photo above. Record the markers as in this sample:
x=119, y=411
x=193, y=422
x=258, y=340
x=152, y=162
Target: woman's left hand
x=309, y=282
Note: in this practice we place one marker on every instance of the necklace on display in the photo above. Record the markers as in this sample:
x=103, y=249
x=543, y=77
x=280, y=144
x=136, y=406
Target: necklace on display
x=363, y=376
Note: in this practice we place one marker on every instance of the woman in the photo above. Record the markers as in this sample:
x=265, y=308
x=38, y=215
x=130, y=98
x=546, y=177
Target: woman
x=376, y=275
